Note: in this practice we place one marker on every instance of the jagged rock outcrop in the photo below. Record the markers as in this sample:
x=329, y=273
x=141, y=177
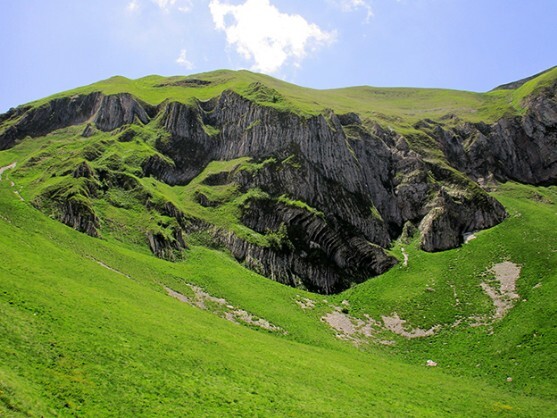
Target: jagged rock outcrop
x=70, y=203
x=316, y=273
x=84, y=170
x=167, y=247
x=520, y=148
x=78, y=214
x=451, y=216
x=334, y=190
x=106, y=112
x=304, y=241
x=117, y=110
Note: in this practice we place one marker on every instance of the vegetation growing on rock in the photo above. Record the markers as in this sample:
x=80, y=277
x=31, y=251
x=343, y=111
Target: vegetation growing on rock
x=223, y=167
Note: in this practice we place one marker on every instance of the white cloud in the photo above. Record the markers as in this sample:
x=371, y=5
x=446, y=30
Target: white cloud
x=354, y=5
x=165, y=4
x=183, y=61
x=133, y=5
x=183, y=6
x=264, y=35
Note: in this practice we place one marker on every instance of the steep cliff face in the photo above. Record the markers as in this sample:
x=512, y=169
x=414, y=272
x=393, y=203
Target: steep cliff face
x=366, y=181
x=334, y=191
x=106, y=112
x=520, y=148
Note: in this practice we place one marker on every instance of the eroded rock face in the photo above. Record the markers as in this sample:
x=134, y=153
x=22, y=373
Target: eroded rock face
x=305, y=242
x=117, y=110
x=72, y=207
x=337, y=190
x=520, y=148
x=168, y=248
x=107, y=112
x=453, y=215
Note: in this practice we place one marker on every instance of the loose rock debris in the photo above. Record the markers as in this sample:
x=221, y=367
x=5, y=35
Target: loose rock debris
x=219, y=306
x=360, y=331
x=405, y=255
x=349, y=328
x=395, y=324
x=7, y=167
x=469, y=236
x=502, y=291
x=306, y=303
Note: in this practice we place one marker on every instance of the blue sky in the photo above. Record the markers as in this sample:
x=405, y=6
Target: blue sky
x=54, y=45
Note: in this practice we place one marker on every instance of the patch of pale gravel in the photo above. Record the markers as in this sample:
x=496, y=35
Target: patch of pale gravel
x=227, y=311
x=306, y=303
x=7, y=167
x=405, y=255
x=340, y=322
x=359, y=330
x=247, y=318
x=395, y=324
x=100, y=263
x=504, y=295
x=201, y=297
x=507, y=273
x=12, y=184
x=469, y=236
x=179, y=296
x=352, y=329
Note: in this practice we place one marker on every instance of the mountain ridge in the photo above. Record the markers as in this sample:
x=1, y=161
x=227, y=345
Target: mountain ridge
x=422, y=175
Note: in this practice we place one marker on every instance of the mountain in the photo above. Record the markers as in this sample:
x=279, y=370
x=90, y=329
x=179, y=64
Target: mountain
x=413, y=227
x=316, y=184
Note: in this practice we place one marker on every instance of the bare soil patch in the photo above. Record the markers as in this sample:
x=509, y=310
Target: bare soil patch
x=350, y=328
x=221, y=307
x=503, y=291
x=395, y=324
x=7, y=167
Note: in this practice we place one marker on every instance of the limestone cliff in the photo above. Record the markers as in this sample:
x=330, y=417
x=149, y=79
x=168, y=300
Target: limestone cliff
x=336, y=191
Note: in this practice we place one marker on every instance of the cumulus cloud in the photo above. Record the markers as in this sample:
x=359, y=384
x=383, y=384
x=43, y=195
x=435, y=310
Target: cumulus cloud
x=266, y=36
x=355, y=5
x=183, y=61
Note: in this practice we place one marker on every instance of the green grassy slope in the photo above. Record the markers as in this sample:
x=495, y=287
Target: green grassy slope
x=444, y=288
x=87, y=329
x=80, y=339
x=399, y=107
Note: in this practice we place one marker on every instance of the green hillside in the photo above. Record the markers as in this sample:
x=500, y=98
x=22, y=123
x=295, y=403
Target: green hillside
x=400, y=107
x=80, y=338
x=101, y=327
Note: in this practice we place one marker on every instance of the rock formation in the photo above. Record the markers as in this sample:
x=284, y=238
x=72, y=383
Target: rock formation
x=337, y=191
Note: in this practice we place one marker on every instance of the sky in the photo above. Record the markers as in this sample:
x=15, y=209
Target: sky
x=50, y=46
